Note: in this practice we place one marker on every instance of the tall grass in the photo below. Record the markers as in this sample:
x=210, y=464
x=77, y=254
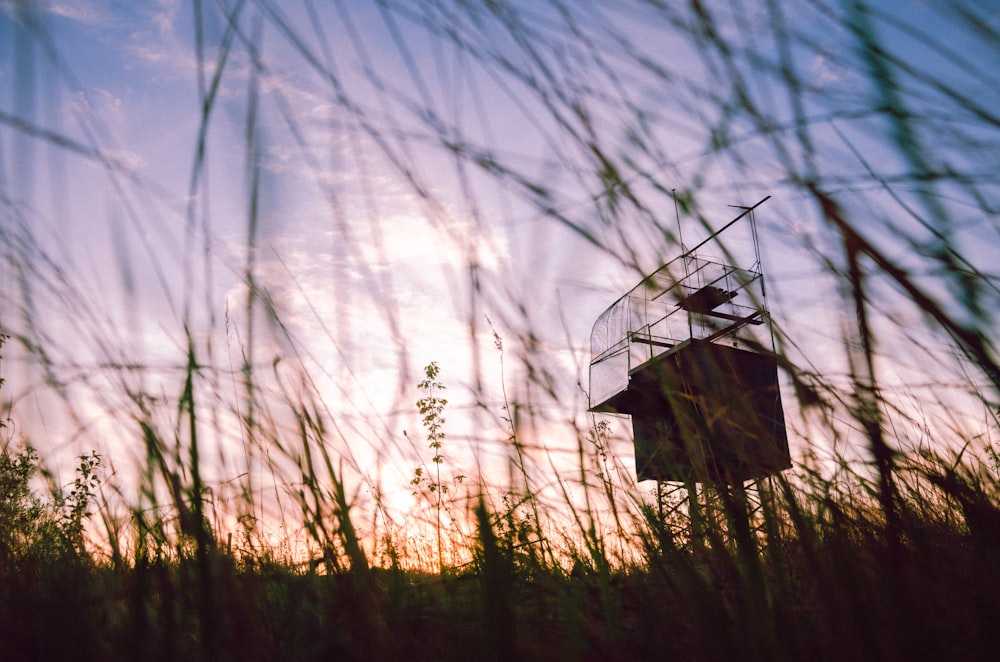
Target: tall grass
x=235, y=496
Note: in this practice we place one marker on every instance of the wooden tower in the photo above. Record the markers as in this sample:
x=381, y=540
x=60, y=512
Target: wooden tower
x=688, y=354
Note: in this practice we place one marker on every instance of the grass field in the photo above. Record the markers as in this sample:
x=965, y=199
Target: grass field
x=793, y=567
x=301, y=373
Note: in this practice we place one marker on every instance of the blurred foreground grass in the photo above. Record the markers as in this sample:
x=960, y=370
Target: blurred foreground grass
x=882, y=542
x=815, y=572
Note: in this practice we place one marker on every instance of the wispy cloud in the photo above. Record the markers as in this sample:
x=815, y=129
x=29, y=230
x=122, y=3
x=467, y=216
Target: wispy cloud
x=93, y=13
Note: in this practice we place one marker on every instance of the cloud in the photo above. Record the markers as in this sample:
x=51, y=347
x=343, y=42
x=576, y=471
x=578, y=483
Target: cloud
x=99, y=102
x=95, y=13
x=823, y=72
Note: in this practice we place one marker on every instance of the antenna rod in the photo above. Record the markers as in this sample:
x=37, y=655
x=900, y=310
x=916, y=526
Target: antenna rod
x=746, y=210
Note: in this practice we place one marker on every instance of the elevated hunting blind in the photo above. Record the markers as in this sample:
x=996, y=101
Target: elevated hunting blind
x=688, y=353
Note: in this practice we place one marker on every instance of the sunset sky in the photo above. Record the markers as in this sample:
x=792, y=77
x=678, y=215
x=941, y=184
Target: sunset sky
x=390, y=175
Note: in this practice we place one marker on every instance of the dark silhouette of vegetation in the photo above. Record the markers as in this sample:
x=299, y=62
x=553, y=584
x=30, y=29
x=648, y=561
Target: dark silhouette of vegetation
x=256, y=519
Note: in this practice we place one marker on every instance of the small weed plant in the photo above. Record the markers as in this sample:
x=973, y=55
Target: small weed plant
x=429, y=481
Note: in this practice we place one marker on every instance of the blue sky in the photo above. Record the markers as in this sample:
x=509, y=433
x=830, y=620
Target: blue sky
x=375, y=168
